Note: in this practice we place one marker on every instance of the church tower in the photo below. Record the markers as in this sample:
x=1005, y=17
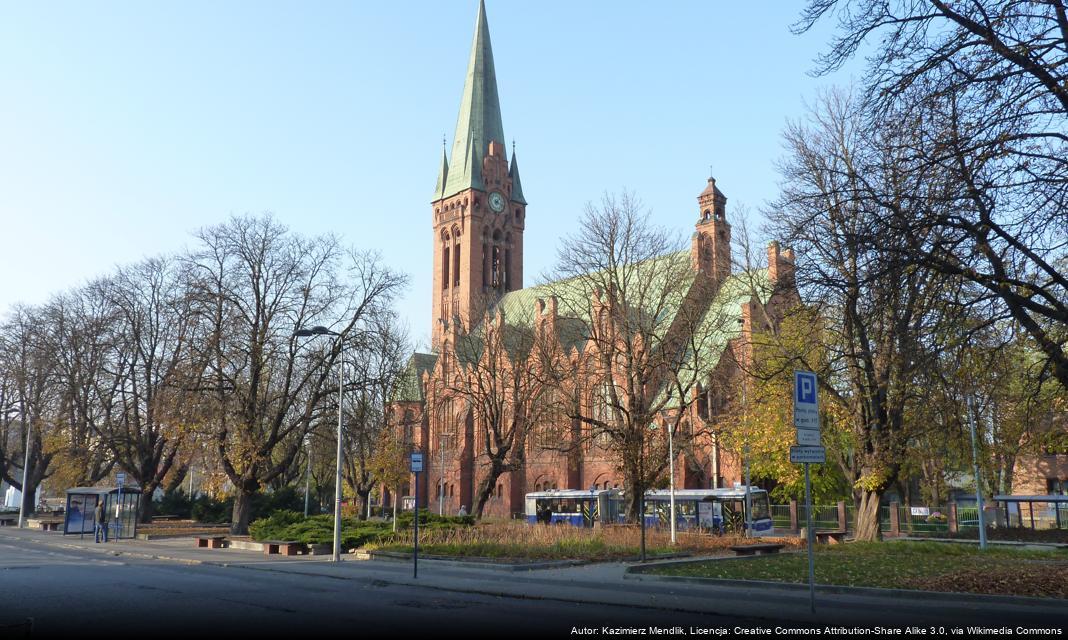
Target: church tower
x=478, y=205
x=711, y=245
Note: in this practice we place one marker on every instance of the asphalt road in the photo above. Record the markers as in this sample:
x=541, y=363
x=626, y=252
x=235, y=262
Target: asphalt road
x=78, y=594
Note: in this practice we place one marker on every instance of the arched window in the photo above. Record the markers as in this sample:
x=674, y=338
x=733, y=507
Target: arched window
x=445, y=262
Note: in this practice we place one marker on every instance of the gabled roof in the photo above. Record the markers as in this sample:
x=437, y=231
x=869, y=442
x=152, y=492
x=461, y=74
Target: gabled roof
x=479, y=120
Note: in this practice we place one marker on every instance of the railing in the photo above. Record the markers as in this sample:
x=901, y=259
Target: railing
x=825, y=517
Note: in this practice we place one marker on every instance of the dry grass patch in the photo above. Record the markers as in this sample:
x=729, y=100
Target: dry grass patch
x=521, y=541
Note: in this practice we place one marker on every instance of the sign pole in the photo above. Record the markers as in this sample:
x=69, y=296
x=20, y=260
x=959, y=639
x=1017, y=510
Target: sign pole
x=416, y=465
x=807, y=451
x=975, y=470
x=811, y=541
x=415, y=553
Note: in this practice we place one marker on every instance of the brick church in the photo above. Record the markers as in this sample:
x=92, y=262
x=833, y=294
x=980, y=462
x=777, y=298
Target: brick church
x=479, y=214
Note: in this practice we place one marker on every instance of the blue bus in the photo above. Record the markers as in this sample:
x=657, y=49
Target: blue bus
x=573, y=506
x=718, y=510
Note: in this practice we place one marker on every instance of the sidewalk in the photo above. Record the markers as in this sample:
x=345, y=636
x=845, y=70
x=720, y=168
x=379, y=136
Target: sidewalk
x=608, y=583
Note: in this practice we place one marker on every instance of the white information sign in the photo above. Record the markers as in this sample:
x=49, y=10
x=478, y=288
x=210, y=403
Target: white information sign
x=808, y=454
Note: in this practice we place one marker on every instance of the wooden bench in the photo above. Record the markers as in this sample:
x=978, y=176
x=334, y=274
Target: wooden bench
x=211, y=542
x=830, y=537
x=751, y=549
x=284, y=547
x=163, y=518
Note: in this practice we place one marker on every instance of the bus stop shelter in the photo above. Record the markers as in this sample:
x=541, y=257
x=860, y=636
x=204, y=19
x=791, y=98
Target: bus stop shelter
x=1034, y=512
x=120, y=505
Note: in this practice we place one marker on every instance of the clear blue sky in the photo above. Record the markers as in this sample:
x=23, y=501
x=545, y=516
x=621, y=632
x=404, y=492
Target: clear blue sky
x=124, y=126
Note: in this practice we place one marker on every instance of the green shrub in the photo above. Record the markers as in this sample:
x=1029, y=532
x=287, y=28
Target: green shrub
x=175, y=503
x=291, y=525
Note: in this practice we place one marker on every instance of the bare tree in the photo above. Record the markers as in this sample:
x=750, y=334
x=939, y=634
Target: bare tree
x=29, y=403
x=989, y=79
x=253, y=283
x=151, y=337
x=881, y=314
x=647, y=326
x=75, y=337
x=500, y=376
x=377, y=363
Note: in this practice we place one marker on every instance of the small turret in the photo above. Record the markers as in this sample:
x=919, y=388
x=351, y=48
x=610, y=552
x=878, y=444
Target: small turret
x=710, y=250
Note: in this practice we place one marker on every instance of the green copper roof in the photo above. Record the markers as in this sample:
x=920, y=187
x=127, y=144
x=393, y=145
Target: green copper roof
x=480, y=114
x=517, y=186
x=410, y=385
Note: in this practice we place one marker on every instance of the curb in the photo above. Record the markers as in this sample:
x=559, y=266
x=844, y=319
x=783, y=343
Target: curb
x=393, y=556
x=637, y=573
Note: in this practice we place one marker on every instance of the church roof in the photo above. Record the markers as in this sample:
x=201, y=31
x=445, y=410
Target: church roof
x=410, y=386
x=443, y=174
x=517, y=186
x=711, y=190
x=479, y=121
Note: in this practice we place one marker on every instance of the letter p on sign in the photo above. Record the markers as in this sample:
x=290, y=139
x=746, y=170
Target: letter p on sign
x=806, y=389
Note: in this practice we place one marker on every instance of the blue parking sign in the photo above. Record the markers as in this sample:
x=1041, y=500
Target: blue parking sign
x=805, y=385
x=806, y=407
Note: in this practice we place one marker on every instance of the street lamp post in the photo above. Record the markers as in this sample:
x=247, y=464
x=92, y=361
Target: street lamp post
x=975, y=470
x=671, y=464
x=25, y=475
x=307, y=474
x=323, y=331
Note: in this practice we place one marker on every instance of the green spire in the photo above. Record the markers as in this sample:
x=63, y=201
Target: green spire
x=517, y=186
x=443, y=174
x=480, y=114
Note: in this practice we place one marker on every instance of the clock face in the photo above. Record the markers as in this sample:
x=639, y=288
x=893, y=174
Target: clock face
x=496, y=202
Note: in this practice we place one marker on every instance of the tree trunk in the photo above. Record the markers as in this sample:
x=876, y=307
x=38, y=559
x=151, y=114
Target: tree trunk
x=29, y=504
x=485, y=489
x=241, y=514
x=147, y=507
x=364, y=498
x=867, y=525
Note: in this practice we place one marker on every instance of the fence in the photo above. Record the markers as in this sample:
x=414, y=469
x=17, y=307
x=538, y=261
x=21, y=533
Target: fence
x=898, y=519
x=825, y=517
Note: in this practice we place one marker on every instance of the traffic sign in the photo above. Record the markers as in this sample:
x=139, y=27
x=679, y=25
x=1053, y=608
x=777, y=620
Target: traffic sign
x=808, y=455
x=417, y=462
x=120, y=479
x=806, y=404
x=808, y=437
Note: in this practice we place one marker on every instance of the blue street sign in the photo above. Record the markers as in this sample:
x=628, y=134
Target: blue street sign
x=417, y=462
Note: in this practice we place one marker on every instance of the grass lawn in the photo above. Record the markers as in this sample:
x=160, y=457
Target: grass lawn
x=930, y=566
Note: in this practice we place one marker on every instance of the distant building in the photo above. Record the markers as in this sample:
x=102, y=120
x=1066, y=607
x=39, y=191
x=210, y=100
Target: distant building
x=479, y=215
